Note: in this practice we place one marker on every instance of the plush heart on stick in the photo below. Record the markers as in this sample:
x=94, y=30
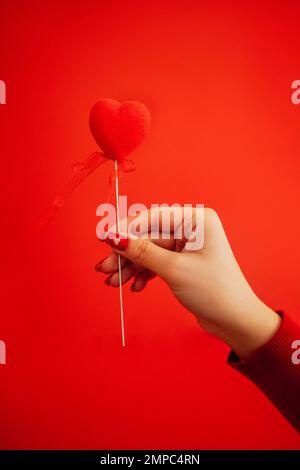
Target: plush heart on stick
x=119, y=128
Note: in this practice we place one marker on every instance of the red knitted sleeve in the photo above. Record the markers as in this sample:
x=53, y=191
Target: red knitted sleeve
x=275, y=369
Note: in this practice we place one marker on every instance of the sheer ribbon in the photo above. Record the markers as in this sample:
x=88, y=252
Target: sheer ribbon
x=82, y=170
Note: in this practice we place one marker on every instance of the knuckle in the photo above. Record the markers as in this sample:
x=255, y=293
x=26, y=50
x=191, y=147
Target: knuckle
x=210, y=212
x=211, y=216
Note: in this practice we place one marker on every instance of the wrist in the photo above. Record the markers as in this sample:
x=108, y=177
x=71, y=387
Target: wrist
x=257, y=328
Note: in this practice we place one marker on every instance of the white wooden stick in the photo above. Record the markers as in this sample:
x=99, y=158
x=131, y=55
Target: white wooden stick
x=119, y=257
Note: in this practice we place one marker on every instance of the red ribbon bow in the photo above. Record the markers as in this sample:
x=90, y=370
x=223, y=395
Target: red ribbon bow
x=82, y=170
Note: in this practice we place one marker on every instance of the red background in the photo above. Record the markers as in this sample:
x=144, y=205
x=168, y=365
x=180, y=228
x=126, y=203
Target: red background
x=217, y=78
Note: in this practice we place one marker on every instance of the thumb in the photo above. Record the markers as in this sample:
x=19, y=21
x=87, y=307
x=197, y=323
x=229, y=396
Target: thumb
x=143, y=252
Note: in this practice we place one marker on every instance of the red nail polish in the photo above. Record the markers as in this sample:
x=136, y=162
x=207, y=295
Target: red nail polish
x=115, y=240
x=107, y=280
x=122, y=244
x=110, y=242
x=98, y=265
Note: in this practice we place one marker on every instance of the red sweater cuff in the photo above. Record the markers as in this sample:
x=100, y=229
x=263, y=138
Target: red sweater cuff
x=271, y=369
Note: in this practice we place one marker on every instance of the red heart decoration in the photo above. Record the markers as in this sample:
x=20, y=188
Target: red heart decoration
x=119, y=128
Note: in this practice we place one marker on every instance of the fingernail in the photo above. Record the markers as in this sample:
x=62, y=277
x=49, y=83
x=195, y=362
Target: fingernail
x=99, y=265
x=107, y=281
x=132, y=288
x=115, y=240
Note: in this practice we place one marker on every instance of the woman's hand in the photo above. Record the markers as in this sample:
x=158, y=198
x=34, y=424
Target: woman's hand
x=208, y=282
